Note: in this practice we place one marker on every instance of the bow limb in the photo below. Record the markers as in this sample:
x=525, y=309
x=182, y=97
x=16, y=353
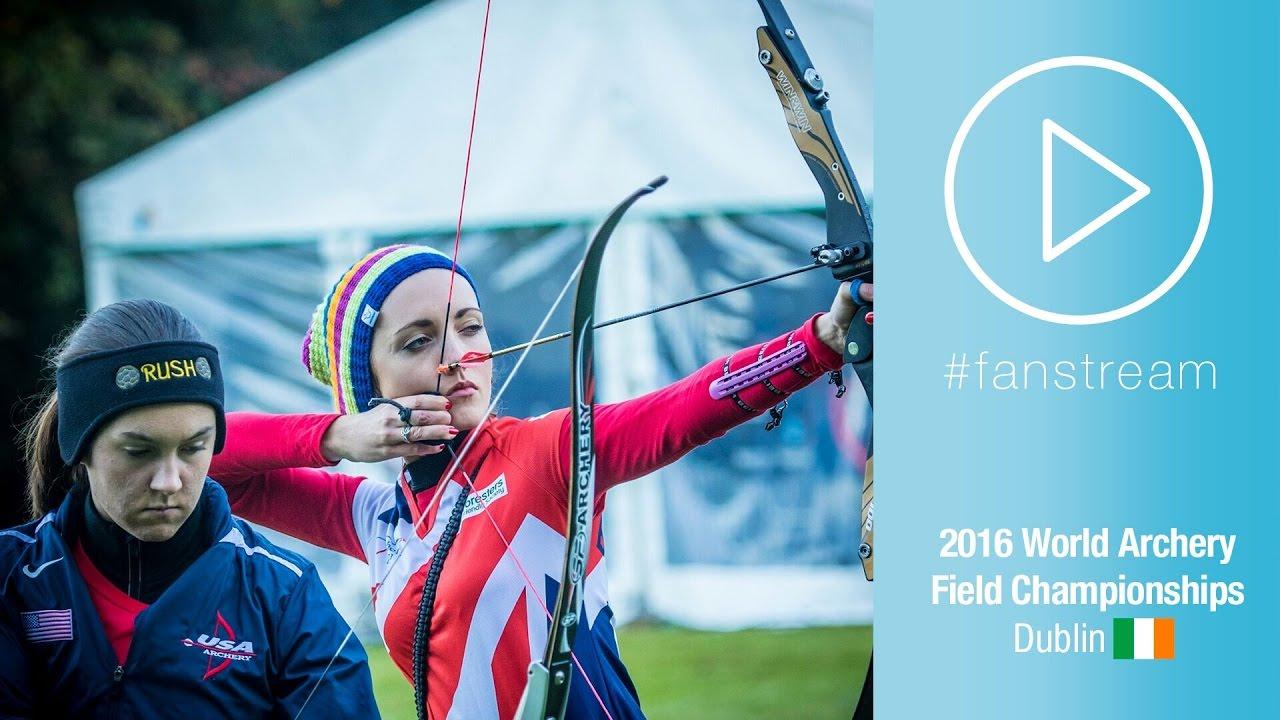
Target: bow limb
x=546, y=695
x=848, y=250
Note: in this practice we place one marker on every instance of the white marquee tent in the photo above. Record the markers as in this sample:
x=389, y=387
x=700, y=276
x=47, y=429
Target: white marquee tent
x=243, y=221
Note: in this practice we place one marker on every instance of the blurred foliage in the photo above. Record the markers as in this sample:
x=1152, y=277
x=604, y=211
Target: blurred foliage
x=86, y=85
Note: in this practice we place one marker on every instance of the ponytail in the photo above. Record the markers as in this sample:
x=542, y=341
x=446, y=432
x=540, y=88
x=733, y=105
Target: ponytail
x=49, y=480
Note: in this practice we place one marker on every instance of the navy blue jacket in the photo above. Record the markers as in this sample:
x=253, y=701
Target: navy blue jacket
x=246, y=631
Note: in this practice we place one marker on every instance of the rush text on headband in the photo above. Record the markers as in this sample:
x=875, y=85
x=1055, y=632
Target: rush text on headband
x=95, y=388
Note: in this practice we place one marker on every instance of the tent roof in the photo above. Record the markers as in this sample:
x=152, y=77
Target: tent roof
x=581, y=102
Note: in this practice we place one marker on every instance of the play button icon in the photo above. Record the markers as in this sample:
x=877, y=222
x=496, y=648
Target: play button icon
x=1051, y=248
x=1018, y=270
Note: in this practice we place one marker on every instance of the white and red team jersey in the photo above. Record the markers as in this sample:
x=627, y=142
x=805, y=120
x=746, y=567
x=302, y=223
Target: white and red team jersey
x=487, y=625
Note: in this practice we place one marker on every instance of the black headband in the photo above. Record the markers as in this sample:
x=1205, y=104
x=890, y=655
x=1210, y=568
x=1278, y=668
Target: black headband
x=95, y=388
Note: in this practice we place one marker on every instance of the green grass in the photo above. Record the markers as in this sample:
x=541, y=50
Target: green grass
x=813, y=673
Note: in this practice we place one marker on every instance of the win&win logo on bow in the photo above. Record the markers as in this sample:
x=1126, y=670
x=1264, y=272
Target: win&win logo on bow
x=221, y=647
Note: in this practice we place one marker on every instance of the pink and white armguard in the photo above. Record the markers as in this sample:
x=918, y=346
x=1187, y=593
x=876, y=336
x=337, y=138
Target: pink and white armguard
x=759, y=371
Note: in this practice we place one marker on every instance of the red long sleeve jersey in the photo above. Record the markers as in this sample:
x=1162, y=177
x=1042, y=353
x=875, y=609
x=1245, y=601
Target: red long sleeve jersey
x=488, y=622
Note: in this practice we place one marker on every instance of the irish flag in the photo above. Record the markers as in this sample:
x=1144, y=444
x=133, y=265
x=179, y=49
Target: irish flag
x=1142, y=638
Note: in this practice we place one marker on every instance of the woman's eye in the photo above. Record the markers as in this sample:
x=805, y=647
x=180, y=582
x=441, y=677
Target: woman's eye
x=136, y=452
x=473, y=329
x=193, y=449
x=416, y=344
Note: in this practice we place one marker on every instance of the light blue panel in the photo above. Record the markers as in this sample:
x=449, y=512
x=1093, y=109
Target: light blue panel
x=1201, y=461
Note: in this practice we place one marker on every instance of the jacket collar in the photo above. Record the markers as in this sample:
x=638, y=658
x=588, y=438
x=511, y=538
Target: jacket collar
x=215, y=508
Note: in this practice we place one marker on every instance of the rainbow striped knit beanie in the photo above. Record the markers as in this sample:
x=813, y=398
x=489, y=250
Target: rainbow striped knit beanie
x=335, y=350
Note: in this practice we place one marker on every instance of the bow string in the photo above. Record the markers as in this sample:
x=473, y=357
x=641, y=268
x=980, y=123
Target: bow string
x=847, y=253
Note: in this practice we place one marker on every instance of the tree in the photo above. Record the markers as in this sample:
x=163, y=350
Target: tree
x=86, y=85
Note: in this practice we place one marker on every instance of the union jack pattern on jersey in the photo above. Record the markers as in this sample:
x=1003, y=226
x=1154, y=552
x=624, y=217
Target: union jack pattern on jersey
x=490, y=616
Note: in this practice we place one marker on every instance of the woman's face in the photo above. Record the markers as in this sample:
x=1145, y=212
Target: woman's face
x=407, y=340
x=147, y=467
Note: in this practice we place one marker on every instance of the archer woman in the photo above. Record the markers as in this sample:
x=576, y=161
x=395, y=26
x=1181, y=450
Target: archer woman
x=134, y=592
x=464, y=564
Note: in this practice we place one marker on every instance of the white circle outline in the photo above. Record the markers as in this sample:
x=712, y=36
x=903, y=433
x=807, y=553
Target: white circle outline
x=1206, y=173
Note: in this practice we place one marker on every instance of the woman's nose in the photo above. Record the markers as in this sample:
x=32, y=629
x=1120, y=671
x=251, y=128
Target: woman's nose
x=454, y=349
x=167, y=479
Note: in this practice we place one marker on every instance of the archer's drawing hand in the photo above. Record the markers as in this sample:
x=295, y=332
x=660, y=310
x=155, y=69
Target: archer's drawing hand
x=833, y=325
x=378, y=434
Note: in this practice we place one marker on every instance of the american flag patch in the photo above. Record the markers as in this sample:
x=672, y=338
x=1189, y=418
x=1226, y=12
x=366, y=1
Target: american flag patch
x=47, y=625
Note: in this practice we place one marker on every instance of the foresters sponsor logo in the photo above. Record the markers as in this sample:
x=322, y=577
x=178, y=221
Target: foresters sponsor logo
x=481, y=499
x=221, y=647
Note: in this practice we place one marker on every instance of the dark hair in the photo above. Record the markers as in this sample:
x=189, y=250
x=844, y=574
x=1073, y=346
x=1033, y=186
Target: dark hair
x=113, y=327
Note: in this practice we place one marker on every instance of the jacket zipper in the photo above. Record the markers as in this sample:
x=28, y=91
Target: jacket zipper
x=135, y=569
x=134, y=586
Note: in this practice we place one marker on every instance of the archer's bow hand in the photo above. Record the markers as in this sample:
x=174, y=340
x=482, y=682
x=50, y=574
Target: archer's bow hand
x=833, y=325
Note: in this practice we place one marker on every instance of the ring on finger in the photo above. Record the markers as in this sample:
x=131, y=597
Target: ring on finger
x=404, y=433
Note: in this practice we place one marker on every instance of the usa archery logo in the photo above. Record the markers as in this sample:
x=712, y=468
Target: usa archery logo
x=221, y=648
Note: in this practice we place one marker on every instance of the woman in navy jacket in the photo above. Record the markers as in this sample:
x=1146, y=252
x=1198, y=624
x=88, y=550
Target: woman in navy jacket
x=134, y=592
